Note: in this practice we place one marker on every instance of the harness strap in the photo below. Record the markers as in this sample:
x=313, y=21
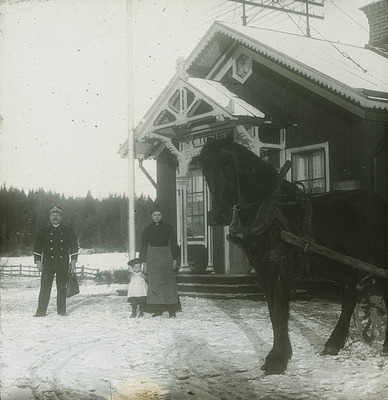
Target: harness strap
x=306, y=230
x=267, y=212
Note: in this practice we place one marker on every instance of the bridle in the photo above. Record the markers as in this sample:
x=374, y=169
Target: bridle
x=268, y=209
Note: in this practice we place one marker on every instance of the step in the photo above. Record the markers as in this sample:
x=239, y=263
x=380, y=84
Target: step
x=218, y=288
x=300, y=294
x=216, y=278
x=212, y=295
x=223, y=296
x=225, y=286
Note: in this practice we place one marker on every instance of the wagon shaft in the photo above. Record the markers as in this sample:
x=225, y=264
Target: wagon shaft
x=325, y=252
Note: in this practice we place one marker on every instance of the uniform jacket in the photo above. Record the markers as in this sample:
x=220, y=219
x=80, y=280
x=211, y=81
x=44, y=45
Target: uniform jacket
x=55, y=247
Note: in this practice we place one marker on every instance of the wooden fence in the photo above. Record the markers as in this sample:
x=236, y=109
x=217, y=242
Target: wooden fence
x=28, y=270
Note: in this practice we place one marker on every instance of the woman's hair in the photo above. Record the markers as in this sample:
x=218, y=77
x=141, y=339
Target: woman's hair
x=156, y=209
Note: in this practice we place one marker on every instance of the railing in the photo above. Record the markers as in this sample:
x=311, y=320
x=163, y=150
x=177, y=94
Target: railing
x=28, y=270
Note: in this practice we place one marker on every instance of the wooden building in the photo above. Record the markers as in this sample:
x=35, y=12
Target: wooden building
x=320, y=104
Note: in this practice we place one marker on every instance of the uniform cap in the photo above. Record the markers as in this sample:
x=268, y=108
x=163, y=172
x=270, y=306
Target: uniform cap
x=56, y=209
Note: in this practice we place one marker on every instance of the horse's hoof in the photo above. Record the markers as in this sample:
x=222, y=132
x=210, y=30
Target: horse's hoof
x=385, y=350
x=332, y=351
x=273, y=369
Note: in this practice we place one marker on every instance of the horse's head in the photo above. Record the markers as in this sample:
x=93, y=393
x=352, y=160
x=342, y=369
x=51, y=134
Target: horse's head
x=235, y=176
x=218, y=169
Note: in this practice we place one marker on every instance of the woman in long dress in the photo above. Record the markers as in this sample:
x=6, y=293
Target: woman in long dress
x=159, y=253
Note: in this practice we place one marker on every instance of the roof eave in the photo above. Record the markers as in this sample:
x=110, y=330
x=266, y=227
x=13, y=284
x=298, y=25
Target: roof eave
x=354, y=95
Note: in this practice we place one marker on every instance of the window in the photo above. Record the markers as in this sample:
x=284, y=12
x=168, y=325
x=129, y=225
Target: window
x=195, y=206
x=309, y=168
x=242, y=68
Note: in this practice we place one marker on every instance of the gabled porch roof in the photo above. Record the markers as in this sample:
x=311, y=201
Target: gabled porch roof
x=186, y=106
x=352, y=77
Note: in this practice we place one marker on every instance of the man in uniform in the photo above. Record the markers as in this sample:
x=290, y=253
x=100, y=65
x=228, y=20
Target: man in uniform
x=55, y=245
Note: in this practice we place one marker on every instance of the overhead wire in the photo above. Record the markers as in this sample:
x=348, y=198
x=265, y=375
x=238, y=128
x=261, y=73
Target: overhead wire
x=209, y=14
x=228, y=15
x=226, y=12
x=290, y=17
x=234, y=12
x=344, y=54
x=184, y=27
x=349, y=16
x=267, y=13
x=252, y=18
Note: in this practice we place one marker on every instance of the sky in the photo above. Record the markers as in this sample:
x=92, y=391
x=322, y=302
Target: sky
x=64, y=79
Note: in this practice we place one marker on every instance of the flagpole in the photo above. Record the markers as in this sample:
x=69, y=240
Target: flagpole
x=131, y=138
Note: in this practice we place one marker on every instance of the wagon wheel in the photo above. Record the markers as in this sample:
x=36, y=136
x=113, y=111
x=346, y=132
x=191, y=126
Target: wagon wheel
x=370, y=313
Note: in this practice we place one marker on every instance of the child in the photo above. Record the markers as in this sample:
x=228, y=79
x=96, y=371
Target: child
x=137, y=287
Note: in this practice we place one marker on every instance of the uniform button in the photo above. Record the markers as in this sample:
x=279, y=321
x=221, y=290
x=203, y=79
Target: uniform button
x=61, y=240
x=51, y=233
x=60, y=257
x=61, y=248
x=52, y=256
x=51, y=241
x=51, y=248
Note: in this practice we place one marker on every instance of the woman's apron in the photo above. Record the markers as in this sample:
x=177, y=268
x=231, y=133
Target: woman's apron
x=162, y=287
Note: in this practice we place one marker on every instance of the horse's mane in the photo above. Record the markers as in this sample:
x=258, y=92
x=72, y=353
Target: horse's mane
x=246, y=158
x=258, y=179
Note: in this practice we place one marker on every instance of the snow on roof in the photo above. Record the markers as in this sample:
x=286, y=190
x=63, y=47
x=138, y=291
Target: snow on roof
x=345, y=68
x=224, y=97
x=355, y=66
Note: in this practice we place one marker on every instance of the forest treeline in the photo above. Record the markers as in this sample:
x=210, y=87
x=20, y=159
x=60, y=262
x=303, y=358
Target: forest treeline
x=101, y=225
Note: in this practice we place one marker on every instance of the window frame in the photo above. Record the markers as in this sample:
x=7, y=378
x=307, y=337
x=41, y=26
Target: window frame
x=199, y=239
x=308, y=149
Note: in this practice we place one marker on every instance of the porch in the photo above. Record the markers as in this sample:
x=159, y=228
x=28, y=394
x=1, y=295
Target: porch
x=244, y=286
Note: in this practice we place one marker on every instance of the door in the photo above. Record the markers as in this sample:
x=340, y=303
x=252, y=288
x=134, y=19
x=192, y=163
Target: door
x=380, y=169
x=238, y=260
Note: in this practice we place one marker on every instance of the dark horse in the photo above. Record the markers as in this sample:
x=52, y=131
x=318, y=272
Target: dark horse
x=248, y=194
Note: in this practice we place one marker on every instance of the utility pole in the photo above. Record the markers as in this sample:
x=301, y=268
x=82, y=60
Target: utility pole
x=280, y=8
x=308, y=34
x=131, y=138
x=244, y=16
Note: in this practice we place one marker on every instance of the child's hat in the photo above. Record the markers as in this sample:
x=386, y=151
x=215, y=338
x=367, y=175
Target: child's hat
x=134, y=261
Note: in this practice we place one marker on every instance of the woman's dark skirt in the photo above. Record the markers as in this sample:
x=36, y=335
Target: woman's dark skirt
x=162, y=288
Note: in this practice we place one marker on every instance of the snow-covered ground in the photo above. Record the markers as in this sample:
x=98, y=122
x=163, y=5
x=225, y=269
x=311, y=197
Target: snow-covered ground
x=212, y=350
x=102, y=261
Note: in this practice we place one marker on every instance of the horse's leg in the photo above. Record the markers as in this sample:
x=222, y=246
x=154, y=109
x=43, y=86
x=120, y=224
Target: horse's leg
x=385, y=295
x=349, y=297
x=278, y=297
